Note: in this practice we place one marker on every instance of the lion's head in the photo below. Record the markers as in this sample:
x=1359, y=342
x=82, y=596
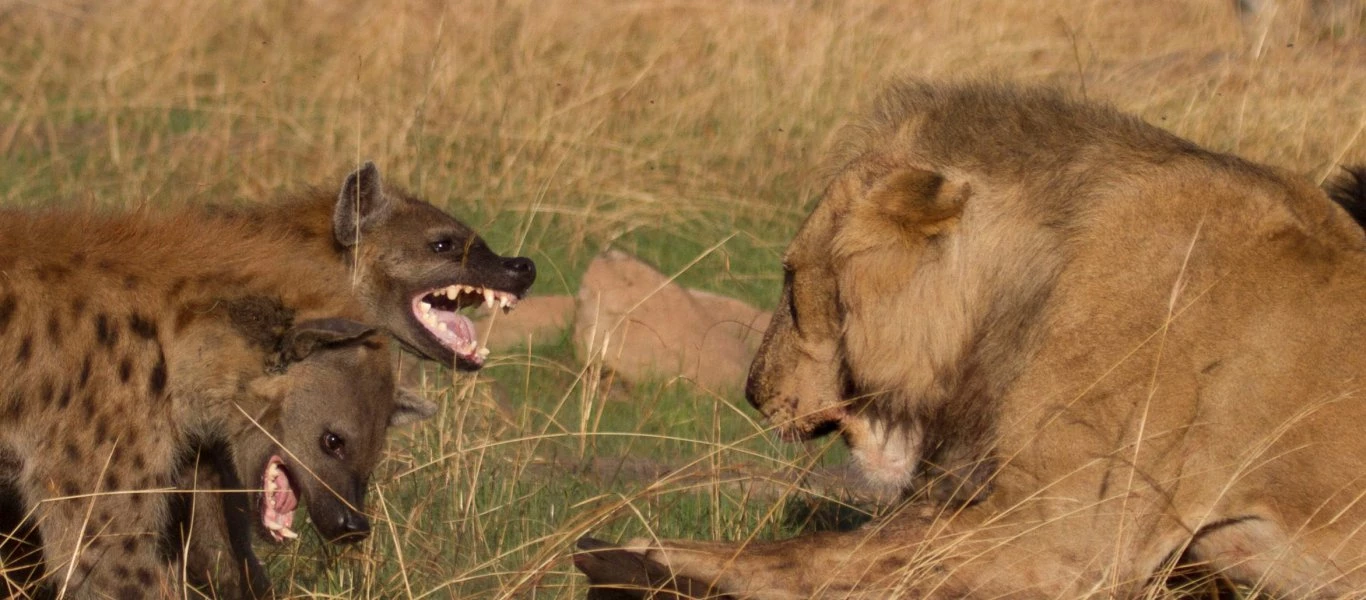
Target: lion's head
x=912, y=296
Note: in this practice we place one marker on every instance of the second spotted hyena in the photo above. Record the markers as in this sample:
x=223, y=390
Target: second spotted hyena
x=130, y=344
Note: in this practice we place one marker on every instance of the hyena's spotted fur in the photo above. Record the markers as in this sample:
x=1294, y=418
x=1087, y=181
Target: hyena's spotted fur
x=119, y=355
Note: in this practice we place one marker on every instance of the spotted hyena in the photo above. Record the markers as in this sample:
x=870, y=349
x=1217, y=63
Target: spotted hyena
x=134, y=345
x=412, y=267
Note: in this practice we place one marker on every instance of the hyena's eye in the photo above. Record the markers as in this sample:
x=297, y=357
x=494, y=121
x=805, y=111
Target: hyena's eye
x=333, y=444
x=442, y=246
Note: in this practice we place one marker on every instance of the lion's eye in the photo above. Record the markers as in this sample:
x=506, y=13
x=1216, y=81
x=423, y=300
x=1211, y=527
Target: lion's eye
x=333, y=444
x=442, y=246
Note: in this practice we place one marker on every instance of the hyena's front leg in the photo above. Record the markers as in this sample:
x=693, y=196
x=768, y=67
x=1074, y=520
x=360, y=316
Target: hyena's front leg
x=104, y=541
x=215, y=536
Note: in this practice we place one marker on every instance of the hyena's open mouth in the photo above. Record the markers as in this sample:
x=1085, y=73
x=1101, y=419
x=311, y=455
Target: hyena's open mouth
x=437, y=311
x=278, y=501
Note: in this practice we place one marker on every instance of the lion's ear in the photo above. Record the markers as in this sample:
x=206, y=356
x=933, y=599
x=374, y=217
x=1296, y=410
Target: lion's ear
x=919, y=200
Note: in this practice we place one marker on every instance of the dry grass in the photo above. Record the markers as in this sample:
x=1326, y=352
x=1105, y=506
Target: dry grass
x=562, y=127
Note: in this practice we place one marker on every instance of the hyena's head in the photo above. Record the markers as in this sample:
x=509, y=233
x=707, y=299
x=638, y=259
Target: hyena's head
x=408, y=253
x=328, y=398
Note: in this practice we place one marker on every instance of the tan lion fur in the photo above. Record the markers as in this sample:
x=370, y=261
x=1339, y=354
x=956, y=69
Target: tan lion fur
x=1156, y=351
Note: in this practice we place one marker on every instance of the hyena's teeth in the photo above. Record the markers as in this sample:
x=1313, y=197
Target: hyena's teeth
x=488, y=298
x=483, y=352
x=426, y=307
x=287, y=533
x=442, y=327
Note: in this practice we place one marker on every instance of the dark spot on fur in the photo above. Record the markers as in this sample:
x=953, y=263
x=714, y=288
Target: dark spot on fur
x=25, y=350
x=85, y=371
x=111, y=480
x=72, y=451
x=177, y=286
x=130, y=282
x=143, y=327
x=105, y=264
x=45, y=390
x=88, y=404
x=183, y=317
x=69, y=488
x=101, y=430
x=14, y=406
x=54, y=329
x=131, y=592
x=130, y=543
x=145, y=577
x=259, y=319
x=51, y=272
x=105, y=332
x=8, y=304
x=77, y=307
x=125, y=369
x=64, y=400
x=121, y=571
x=156, y=381
x=139, y=463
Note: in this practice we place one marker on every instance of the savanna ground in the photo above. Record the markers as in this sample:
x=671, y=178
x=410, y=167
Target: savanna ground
x=685, y=132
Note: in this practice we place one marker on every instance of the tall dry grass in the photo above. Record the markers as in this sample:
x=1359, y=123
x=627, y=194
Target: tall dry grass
x=562, y=127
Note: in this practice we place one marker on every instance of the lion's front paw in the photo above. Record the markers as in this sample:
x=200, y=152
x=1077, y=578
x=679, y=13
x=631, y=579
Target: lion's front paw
x=630, y=573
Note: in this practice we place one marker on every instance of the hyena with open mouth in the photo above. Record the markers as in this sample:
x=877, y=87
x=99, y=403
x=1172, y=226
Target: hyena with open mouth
x=412, y=267
x=132, y=346
x=398, y=262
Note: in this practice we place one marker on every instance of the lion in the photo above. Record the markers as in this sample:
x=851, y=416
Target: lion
x=1121, y=351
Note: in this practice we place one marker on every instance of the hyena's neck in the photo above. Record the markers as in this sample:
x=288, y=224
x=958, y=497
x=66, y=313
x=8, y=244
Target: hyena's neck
x=303, y=221
x=152, y=275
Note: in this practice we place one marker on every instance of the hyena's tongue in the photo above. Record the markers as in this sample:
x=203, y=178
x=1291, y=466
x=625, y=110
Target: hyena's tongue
x=436, y=310
x=278, y=501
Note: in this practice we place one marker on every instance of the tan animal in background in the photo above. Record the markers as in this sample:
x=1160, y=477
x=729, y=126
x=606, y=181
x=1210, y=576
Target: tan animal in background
x=1126, y=349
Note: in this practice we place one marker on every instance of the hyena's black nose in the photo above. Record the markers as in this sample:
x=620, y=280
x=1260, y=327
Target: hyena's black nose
x=522, y=268
x=353, y=528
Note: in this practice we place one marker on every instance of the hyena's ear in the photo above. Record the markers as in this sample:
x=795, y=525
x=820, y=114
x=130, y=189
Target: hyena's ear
x=410, y=407
x=361, y=203
x=919, y=200
x=306, y=337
